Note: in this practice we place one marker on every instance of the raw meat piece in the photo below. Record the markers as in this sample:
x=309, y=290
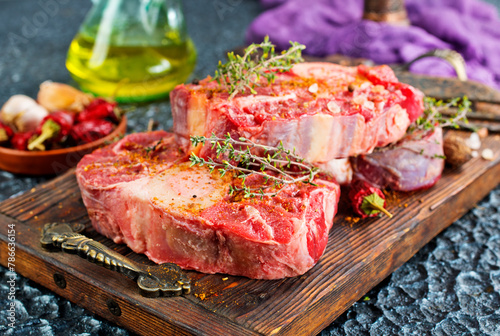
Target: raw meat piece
x=416, y=162
x=323, y=110
x=140, y=191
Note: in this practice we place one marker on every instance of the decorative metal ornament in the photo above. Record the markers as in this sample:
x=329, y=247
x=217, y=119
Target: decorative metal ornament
x=163, y=280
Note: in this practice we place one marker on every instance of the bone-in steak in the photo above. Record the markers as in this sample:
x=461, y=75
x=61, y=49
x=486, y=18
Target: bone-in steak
x=322, y=110
x=141, y=191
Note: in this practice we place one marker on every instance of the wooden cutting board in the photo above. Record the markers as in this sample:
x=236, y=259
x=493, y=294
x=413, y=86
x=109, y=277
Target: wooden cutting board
x=358, y=256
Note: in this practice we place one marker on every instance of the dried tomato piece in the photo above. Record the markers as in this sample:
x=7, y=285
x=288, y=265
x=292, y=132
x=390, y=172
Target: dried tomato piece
x=91, y=130
x=21, y=140
x=100, y=109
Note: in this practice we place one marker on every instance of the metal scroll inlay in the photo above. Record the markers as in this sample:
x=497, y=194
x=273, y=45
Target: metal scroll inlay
x=153, y=281
x=451, y=56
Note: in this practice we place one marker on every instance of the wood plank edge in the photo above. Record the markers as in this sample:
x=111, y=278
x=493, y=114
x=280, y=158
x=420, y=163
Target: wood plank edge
x=94, y=298
x=43, y=187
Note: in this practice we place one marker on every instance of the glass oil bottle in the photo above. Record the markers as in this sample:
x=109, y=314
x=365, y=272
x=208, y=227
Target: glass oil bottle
x=132, y=50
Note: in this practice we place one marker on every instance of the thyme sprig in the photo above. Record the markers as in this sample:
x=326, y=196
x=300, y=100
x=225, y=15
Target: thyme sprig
x=277, y=165
x=433, y=113
x=245, y=72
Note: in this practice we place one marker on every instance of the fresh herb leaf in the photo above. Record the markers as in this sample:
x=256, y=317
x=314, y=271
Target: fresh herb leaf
x=242, y=73
x=433, y=114
x=245, y=158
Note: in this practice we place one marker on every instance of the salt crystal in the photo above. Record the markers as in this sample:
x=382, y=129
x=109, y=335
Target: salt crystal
x=369, y=105
x=313, y=88
x=378, y=89
x=474, y=142
x=360, y=100
x=487, y=154
x=333, y=107
x=365, y=85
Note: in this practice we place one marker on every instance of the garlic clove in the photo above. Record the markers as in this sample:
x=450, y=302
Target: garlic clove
x=487, y=154
x=474, y=142
x=22, y=113
x=13, y=106
x=58, y=96
x=31, y=118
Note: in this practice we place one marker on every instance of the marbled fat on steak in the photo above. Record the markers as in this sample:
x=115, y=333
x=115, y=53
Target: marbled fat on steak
x=322, y=110
x=142, y=192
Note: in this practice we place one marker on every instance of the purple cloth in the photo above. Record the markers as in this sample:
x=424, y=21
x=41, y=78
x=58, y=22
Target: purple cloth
x=471, y=27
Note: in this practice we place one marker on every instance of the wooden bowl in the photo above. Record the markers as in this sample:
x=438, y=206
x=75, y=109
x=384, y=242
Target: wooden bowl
x=55, y=161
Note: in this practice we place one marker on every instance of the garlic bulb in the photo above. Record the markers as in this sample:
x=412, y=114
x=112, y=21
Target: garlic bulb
x=22, y=113
x=58, y=96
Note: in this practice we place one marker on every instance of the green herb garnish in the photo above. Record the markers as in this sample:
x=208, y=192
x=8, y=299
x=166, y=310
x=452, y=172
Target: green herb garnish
x=245, y=72
x=433, y=114
x=238, y=157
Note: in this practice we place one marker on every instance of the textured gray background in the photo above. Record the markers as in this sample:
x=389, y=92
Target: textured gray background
x=450, y=287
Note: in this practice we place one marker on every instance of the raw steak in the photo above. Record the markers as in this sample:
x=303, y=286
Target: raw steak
x=416, y=162
x=323, y=110
x=140, y=191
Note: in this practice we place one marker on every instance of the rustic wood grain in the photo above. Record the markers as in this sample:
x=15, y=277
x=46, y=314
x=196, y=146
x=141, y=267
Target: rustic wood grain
x=358, y=256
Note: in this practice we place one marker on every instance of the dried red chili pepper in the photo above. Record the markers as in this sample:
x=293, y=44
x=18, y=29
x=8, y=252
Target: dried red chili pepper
x=367, y=200
x=91, y=130
x=55, y=126
x=21, y=140
x=5, y=133
x=100, y=109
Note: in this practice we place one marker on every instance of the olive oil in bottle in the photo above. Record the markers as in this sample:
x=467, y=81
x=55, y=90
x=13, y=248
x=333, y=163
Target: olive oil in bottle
x=133, y=50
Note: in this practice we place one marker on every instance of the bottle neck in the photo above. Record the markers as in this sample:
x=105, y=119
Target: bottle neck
x=389, y=11
x=135, y=22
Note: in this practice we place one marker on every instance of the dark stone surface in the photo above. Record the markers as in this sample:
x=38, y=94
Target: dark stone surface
x=450, y=287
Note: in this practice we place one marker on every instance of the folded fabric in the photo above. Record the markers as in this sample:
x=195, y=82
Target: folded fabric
x=471, y=27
